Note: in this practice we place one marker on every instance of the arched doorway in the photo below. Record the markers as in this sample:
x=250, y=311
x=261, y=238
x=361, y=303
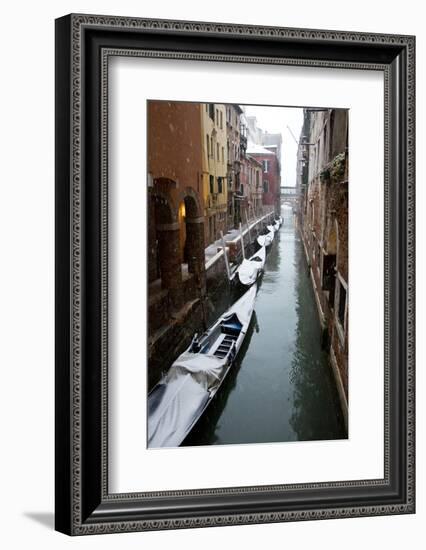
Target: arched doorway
x=160, y=213
x=191, y=233
x=163, y=244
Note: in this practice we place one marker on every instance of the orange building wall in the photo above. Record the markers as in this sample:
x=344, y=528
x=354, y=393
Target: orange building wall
x=174, y=145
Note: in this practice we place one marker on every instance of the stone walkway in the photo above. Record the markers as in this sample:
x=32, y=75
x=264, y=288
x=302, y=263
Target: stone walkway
x=233, y=235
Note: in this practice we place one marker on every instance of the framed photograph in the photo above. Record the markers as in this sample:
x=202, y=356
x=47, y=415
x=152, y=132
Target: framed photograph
x=234, y=274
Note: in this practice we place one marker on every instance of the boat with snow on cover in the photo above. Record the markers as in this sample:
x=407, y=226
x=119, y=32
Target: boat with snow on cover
x=179, y=400
x=265, y=240
x=250, y=269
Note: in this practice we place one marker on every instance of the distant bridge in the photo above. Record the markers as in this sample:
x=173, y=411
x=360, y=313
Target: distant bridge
x=289, y=195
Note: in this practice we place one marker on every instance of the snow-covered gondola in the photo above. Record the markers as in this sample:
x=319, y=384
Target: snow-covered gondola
x=278, y=222
x=265, y=240
x=249, y=270
x=178, y=401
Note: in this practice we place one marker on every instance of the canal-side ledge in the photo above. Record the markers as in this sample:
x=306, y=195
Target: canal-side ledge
x=233, y=241
x=324, y=328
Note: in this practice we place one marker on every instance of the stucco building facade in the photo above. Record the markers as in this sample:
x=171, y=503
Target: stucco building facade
x=236, y=144
x=214, y=169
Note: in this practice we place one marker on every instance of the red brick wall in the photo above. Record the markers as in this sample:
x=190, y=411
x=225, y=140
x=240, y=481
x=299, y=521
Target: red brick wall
x=272, y=176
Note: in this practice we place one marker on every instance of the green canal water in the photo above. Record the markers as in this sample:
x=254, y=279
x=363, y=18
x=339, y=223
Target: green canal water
x=281, y=387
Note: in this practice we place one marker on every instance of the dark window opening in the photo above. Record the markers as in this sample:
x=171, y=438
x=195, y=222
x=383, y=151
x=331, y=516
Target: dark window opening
x=329, y=276
x=211, y=111
x=211, y=184
x=219, y=185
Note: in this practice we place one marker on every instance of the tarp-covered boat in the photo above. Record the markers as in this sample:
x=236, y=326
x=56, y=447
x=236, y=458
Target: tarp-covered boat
x=274, y=227
x=177, y=402
x=265, y=240
x=249, y=270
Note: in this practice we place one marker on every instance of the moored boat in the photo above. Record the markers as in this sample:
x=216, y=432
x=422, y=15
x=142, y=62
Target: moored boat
x=249, y=270
x=265, y=240
x=179, y=400
x=278, y=222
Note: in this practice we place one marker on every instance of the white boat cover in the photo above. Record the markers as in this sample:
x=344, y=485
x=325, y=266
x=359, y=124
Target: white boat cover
x=261, y=253
x=265, y=240
x=178, y=400
x=249, y=269
x=243, y=307
x=261, y=240
x=271, y=228
x=171, y=413
x=247, y=272
x=206, y=370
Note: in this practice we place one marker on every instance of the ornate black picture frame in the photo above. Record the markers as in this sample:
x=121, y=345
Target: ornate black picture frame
x=83, y=46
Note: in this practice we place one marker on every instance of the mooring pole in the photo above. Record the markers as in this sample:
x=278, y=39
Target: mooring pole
x=248, y=227
x=228, y=271
x=242, y=242
x=255, y=219
x=201, y=291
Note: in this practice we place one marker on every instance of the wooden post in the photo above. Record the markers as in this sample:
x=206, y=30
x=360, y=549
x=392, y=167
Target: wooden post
x=255, y=219
x=248, y=227
x=242, y=242
x=202, y=293
x=228, y=271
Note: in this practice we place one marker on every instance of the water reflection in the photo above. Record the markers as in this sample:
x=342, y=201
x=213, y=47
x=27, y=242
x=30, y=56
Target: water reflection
x=310, y=374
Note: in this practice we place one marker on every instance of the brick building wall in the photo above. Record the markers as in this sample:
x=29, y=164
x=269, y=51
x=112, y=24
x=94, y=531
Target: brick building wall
x=323, y=222
x=271, y=178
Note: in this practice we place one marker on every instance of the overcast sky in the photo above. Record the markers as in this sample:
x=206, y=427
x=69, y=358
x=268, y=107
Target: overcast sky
x=276, y=120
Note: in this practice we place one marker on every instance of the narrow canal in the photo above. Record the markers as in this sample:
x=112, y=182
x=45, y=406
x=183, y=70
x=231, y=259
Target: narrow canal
x=281, y=387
